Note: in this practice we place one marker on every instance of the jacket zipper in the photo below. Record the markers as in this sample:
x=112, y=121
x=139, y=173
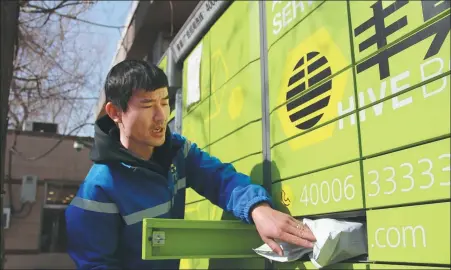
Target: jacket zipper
x=173, y=181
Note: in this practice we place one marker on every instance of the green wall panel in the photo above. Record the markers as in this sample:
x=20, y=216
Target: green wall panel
x=204, y=74
x=398, y=19
x=414, y=234
x=334, y=190
x=251, y=166
x=235, y=41
x=420, y=117
x=196, y=125
x=417, y=174
x=163, y=63
x=282, y=16
x=239, y=144
x=236, y=103
x=307, y=54
x=192, y=196
x=329, y=145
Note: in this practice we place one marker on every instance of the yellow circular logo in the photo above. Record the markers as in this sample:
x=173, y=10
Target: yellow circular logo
x=236, y=102
x=309, y=97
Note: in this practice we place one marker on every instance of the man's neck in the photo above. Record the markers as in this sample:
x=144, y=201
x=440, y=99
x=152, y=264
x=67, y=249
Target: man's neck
x=141, y=150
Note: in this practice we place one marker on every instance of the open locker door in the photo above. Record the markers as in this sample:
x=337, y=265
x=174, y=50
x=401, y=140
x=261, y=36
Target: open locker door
x=165, y=239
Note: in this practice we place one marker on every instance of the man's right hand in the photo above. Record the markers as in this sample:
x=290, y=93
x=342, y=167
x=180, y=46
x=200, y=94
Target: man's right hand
x=272, y=224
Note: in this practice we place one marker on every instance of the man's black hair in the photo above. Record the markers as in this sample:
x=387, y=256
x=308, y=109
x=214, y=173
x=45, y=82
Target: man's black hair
x=129, y=76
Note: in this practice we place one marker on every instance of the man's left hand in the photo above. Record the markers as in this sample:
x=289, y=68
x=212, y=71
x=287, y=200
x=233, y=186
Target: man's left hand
x=272, y=224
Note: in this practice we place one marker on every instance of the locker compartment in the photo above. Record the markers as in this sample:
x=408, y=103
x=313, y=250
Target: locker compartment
x=237, y=103
x=326, y=146
x=334, y=190
x=282, y=16
x=251, y=166
x=204, y=74
x=394, y=20
x=239, y=144
x=417, y=115
x=196, y=125
x=235, y=41
x=413, y=234
x=314, y=50
x=400, y=66
x=300, y=265
x=417, y=174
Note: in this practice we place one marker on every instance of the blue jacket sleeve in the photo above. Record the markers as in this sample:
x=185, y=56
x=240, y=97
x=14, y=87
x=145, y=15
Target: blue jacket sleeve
x=221, y=184
x=93, y=225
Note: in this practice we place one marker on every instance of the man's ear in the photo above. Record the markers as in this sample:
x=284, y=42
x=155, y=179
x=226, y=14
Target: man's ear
x=113, y=112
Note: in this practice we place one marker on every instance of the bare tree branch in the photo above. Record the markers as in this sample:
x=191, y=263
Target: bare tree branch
x=56, y=75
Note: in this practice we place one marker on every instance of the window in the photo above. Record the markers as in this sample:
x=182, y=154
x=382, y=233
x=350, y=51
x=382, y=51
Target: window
x=53, y=229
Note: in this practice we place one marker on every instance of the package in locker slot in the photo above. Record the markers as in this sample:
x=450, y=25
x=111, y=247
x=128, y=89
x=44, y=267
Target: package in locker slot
x=336, y=241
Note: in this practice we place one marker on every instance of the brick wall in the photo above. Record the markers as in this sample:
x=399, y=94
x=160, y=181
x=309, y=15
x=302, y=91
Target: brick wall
x=65, y=165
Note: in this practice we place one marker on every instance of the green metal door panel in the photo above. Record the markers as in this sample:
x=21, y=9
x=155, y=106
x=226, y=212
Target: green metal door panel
x=172, y=115
x=202, y=210
x=194, y=264
x=192, y=196
x=184, y=239
x=239, y=144
x=398, y=266
x=204, y=74
x=414, y=116
x=419, y=63
x=282, y=16
x=393, y=21
x=251, y=166
x=326, y=146
x=235, y=41
x=334, y=190
x=300, y=265
x=236, y=103
x=196, y=125
x=414, y=175
x=196, y=128
x=317, y=47
x=413, y=234
x=163, y=63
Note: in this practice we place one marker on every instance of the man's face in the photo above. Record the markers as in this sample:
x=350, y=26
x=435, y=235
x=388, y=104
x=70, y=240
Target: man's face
x=144, y=122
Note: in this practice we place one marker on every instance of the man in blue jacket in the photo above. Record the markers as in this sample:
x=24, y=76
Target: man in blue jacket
x=141, y=170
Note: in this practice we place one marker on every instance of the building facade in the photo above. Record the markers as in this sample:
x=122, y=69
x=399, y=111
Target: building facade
x=42, y=175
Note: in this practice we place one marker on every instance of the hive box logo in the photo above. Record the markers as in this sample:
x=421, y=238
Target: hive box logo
x=303, y=111
x=310, y=94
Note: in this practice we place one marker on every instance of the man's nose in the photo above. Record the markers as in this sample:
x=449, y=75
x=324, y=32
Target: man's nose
x=159, y=114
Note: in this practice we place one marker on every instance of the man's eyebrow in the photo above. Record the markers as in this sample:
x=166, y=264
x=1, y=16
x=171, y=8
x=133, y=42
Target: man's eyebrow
x=148, y=100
